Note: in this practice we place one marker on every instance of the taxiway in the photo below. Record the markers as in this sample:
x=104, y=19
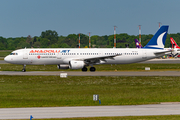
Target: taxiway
x=108, y=73
x=90, y=111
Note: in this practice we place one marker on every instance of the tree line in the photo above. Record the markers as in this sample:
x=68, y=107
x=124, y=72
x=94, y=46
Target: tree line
x=50, y=39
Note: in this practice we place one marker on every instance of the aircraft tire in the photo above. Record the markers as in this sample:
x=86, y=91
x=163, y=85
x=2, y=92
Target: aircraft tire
x=23, y=70
x=84, y=69
x=92, y=69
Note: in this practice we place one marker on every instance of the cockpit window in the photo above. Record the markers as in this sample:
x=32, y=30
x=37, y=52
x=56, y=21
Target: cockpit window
x=13, y=53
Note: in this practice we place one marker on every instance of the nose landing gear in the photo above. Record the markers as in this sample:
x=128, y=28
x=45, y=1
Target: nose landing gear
x=24, y=68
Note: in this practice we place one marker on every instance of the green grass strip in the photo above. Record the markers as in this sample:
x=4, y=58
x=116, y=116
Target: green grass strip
x=52, y=91
x=163, y=117
x=4, y=53
x=108, y=67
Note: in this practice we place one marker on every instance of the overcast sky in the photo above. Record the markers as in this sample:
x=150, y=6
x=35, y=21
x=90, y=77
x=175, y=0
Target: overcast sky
x=31, y=17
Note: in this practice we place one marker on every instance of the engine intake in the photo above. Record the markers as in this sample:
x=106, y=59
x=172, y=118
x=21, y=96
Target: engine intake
x=76, y=64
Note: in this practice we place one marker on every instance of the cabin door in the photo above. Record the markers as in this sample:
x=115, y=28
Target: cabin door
x=59, y=55
x=25, y=54
x=100, y=53
x=144, y=54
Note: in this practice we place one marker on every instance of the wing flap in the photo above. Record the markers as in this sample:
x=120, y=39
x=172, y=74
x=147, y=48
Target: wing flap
x=99, y=59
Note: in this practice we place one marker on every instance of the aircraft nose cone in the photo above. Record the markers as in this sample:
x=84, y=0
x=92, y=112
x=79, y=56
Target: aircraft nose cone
x=6, y=59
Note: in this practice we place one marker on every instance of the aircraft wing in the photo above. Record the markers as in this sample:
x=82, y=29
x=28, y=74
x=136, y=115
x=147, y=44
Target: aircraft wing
x=162, y=52
x=97, y=60
x=100, y=59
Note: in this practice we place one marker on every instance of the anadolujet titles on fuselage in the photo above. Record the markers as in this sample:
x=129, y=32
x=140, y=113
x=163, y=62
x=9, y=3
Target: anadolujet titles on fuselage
x=75, y=58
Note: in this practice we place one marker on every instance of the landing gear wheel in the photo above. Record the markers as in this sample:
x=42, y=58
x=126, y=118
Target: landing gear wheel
x=24, y=68
x=84, y=69
x=92, y=69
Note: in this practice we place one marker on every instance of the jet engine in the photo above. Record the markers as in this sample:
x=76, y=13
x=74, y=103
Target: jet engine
x=76, y=64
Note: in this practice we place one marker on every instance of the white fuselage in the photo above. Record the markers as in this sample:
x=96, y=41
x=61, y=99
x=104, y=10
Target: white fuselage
x=64, y=55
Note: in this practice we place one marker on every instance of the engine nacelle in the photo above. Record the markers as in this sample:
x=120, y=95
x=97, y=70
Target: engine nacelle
x=76, y=64
x=63, y=66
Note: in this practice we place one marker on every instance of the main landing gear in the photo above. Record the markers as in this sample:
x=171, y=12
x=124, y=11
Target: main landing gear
x=92, y=69
x=84, y=69
x=24, y=68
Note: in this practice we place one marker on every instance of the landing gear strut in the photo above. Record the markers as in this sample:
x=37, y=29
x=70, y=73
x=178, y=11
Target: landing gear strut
x=24, y=68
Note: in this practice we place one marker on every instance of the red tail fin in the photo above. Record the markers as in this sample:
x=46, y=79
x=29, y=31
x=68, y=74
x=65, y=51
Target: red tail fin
x=174, y=43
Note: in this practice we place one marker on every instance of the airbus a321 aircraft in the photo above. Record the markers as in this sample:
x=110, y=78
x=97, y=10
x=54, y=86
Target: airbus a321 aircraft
x=80, y=58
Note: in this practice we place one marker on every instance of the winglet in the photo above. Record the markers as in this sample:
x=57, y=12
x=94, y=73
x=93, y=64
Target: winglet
x=159, y=39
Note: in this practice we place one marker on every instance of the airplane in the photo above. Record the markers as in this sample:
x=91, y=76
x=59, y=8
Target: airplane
x=80, y=58
x=174, y=51
x=137, y=43
x=175, y=47
x=174, y=44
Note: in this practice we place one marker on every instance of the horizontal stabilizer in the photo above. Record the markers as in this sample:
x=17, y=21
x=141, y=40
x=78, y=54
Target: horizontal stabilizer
x=162, y=52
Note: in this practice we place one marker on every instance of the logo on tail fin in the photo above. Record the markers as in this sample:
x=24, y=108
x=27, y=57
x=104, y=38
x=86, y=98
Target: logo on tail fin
x=159, y=42
x=159, y=39
x=173, y=42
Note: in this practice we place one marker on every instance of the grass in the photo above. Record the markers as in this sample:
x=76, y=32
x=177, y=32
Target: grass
x=108, y=67
x=4, y=53
x=52, y=91
x=163, y=117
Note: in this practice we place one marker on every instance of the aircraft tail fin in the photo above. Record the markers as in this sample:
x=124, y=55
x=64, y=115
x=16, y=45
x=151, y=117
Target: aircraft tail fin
x=137, y=43
x=159, y=39
x=173, y=42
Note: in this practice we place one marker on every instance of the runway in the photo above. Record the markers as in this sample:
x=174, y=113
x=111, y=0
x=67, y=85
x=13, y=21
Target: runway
x=108, y=73
x=90, y=111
